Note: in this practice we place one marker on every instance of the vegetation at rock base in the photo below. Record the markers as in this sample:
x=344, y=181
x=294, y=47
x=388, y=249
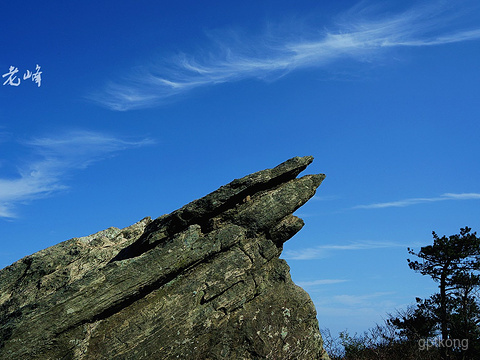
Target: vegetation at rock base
x=444, y=326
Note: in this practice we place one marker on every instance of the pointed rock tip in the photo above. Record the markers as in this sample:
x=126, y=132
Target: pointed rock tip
x=294, y=163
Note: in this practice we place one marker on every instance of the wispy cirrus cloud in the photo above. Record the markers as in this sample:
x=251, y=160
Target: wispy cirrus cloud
x=360, y=34
x=323, y=251
x=415, y=201
x=319, y=282
x=357, y=300
x=55, y=157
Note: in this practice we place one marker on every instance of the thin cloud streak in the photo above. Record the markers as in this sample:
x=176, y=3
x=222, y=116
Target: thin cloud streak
x=271, y=56
x=319, y=282
x=358, y=300
x=58, y=156
x=415, y=201
x=322, y=251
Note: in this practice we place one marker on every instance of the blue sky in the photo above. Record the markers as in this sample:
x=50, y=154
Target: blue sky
x=144, y=106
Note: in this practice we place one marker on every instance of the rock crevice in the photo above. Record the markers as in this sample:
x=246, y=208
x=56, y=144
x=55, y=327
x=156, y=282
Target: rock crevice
x=204, y=282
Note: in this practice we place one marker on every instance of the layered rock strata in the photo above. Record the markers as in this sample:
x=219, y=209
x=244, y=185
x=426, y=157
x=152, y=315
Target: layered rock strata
x=204, y=282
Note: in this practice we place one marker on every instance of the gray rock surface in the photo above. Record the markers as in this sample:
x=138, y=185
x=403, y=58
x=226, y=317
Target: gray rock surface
x=204, y=282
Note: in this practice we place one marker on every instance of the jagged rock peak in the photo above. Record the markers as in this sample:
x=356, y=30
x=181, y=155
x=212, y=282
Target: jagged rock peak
x=203, y=282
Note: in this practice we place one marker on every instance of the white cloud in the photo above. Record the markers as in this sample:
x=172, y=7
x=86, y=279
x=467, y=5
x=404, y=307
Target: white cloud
x=56, y=157
x=357, y=300
x=360, y=35
x=463, y=196
x=78, y=149
x=414, y=201
x=323, y=251
x=319, y=282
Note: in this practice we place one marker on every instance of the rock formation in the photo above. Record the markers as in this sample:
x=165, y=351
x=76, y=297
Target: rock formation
x=204, y=282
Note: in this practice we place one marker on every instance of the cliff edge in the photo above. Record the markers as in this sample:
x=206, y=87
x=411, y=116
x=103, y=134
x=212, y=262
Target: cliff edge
x=204, y=282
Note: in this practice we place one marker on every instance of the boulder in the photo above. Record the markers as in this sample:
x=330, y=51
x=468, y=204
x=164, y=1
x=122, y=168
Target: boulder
x=204, y=282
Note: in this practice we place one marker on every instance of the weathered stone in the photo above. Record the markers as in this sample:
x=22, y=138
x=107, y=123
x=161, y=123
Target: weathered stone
x=204, y=282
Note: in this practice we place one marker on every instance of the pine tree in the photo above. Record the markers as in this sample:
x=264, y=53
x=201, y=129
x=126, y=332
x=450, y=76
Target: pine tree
x=453, y=262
